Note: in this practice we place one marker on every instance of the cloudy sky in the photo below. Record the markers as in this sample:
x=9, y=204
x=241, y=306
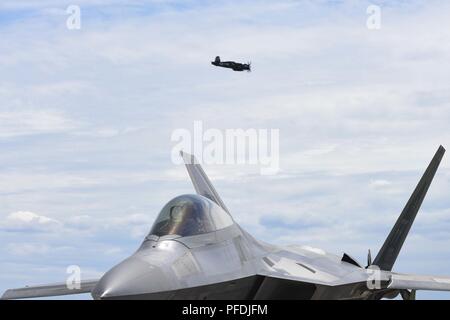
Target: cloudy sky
x=86, y=118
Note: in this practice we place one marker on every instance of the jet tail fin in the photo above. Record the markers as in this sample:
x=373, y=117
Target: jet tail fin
x=390, y=250
x=200, y=180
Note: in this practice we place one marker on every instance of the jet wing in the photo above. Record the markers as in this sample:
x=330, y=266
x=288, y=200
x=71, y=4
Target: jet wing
x=200, y=180
x=303, y=265
x=419, y=282
x=47, y=290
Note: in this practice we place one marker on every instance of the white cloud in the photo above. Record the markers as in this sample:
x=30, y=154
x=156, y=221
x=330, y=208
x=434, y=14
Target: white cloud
x=379, y=184
x=28, y=221
x=29, y=217
x=23, y=123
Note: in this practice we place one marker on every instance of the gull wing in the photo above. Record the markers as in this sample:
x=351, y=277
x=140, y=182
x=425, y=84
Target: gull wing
x=48, y=290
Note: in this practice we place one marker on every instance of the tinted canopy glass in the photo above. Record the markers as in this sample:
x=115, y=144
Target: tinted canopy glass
x=189, y=215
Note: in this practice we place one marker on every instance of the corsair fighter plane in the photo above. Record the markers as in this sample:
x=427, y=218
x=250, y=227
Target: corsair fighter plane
x=195, y=250
x=235, y=66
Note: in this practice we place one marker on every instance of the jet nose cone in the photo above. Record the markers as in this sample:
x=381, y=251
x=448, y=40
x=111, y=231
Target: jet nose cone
x=130, y=279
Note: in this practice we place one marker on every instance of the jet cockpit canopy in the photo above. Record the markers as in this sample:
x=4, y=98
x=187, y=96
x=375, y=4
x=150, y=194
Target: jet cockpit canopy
x=189, y=215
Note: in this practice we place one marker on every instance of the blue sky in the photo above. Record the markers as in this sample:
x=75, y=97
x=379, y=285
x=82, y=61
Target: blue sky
x=86, y=118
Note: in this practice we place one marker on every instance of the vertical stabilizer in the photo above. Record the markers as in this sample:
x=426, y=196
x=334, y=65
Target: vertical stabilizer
x=385, y=259
x=200, y=180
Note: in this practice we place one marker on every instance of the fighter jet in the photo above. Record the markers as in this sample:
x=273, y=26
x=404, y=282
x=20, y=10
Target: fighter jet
x=235, y=66
x=196, y=250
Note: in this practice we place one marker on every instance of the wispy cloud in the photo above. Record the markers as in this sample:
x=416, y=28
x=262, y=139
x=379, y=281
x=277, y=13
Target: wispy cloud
x=22, y=123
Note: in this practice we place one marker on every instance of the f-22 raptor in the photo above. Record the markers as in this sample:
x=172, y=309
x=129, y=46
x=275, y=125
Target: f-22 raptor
x=235, y=66
x=195, y=250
